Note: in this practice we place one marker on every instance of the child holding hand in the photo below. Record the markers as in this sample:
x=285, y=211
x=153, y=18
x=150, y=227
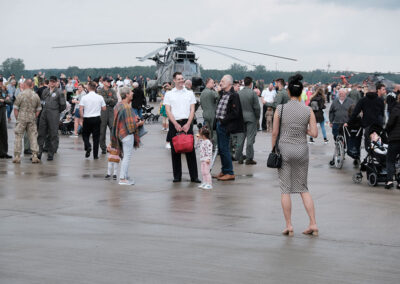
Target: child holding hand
x=205, y=148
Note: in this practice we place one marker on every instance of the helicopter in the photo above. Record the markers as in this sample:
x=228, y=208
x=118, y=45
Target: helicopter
x=378, y=78
x=175, y=57
x=344, y=78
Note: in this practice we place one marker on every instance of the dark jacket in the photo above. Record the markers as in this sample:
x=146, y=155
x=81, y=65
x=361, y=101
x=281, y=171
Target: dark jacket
x=53, y=100
x=319, y=114
x=373, y=109
x=138, y=98
x=339, y=113
x=233, y=121
x=393, y=125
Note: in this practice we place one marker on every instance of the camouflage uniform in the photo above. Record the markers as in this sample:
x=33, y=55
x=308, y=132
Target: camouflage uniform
x=27, y=104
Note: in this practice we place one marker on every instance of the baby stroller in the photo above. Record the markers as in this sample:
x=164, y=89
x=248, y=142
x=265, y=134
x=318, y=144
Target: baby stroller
x=374, y=164
x=148, y=116
x=66, y=124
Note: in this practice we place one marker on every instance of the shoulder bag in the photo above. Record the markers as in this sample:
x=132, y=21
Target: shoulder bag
x=275, y=158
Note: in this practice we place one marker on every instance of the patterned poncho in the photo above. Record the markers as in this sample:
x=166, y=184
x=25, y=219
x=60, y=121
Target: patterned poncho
x=124, y=125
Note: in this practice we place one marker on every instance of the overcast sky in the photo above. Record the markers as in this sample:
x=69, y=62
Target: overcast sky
x=359, y=35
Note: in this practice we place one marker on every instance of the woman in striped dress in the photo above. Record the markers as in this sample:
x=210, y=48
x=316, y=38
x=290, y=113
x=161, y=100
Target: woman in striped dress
x=298, y=121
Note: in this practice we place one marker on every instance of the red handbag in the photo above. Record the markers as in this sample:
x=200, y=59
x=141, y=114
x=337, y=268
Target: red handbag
x=183, y=143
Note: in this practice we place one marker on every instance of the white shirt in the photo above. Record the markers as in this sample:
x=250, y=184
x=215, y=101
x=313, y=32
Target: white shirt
x=268, y=95
x=180, y=102
x=127, y=82
x=92, y=104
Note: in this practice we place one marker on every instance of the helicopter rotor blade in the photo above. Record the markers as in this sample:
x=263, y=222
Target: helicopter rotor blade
x=109, y=43
x=243, y=50
x=151, y=54
x=224, y=54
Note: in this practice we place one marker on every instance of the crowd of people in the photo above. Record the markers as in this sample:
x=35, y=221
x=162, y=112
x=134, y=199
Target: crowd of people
x=233, y=113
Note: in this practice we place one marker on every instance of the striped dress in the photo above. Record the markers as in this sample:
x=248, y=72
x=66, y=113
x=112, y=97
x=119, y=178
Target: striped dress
x=294, y=148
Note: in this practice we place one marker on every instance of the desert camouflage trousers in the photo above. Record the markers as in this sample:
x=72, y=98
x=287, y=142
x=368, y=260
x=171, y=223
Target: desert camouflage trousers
x=31, y=129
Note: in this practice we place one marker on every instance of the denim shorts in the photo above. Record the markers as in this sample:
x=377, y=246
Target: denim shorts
x=76, y=114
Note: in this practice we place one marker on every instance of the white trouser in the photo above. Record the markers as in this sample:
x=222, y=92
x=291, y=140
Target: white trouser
x=127, y=146
x=112, y=165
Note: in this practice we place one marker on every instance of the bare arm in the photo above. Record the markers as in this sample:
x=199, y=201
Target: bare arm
x=275, y=129
x=104, y=108
x=312, y=126
x=172, y=118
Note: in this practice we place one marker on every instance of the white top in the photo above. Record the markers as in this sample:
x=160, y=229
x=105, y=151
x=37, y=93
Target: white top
x=180, y=102
x=92, y=104
x=127, y=82
x=268, y=95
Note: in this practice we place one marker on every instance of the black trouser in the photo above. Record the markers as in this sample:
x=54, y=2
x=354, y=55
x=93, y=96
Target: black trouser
x=3, y=131
x=91, y=125
x=393, y=151
x=176, y=158
x=264, y=120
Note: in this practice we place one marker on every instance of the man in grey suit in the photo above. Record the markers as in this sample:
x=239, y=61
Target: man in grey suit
x=251, y=115
x=208, y=102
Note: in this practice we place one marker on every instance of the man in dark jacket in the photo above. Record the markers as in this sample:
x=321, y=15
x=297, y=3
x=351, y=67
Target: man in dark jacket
x=393, y=130
x=229, y=120
x=338, y=112
x=53, y=104
x=138, y=100
x=373, y=108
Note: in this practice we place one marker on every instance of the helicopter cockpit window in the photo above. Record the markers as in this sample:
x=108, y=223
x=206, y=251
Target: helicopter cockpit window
x=179, y=67
x=193, y=67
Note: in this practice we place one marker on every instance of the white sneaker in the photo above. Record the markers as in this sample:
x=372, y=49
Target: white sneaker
x=168, y=146
x=123, y=182
x=74, y=136
x=201, y=185
x=207, y=186
x=131, y=181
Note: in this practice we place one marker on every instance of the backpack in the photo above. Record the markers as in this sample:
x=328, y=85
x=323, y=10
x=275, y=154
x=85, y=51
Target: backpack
x=314, y=106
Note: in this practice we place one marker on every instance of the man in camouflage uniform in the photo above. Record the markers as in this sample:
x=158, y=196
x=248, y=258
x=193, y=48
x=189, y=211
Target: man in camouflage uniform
x=26, y=108
x=107, y=116
x=54, y=103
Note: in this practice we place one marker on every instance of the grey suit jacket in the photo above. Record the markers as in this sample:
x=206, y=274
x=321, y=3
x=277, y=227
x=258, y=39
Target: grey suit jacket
x=250, y=105
x=208, y=102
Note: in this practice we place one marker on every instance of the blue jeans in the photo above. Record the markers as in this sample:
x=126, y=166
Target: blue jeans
x=138, y=112
x=322, y=124
x=335, y=129
x=223, y=150
x=9, y=110
x=127, y=148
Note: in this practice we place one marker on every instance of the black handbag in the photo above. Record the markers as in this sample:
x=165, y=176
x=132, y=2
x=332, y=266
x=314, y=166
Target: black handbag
x=275, y=158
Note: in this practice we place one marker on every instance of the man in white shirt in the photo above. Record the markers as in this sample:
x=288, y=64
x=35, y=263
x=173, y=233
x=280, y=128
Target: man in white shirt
x=267, y=99
x=90, y=108
x=180, y=107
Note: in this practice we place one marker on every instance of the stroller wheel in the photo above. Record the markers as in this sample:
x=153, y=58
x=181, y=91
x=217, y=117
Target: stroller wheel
x=357, y=177
x=372, y=179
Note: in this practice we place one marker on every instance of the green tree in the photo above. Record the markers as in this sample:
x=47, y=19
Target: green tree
x=13, y=66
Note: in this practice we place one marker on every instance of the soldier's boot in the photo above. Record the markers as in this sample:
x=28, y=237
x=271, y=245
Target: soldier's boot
x=17, y=158
x=35, y=159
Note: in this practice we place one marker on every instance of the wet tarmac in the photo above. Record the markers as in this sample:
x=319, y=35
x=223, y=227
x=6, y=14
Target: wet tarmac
x=61, y=222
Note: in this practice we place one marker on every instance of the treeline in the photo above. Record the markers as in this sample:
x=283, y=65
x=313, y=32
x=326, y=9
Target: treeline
x=236, y=70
